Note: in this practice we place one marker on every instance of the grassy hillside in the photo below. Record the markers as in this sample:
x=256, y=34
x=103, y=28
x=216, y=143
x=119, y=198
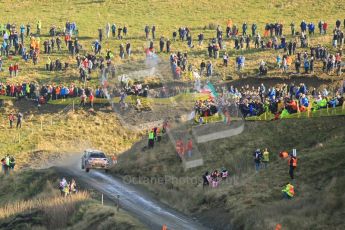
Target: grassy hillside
x=248, y=199
x=31, y=200
x=168, y=17
x=46, y=135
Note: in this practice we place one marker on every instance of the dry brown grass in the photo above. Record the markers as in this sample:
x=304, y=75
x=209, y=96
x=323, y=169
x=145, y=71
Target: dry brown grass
x=57, y=209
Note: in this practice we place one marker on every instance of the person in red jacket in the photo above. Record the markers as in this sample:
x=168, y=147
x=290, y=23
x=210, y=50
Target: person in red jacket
x=11, y=69
x=325, y=26
x=12, y=90
x=16, y=69
x=18, y=90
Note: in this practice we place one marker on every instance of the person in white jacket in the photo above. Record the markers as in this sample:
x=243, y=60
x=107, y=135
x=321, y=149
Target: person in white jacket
x=107, y=30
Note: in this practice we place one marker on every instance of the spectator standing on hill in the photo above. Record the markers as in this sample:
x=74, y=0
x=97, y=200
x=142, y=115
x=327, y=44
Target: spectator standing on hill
x=83, y=99
x=151, y=139
x=303, y=26
x=202, y=67
x=119, y=31
x=244, y=29
x=22, y=32
x=325, y=27
x=200, y=38
x=125, y=30
x=128, y=49
x=337, y=24
x=16, y=69
x=153, y=31
x=161, y=44
x=12, y=163
x=28, y=30
x=6, y=164
x=147, y=31
x=113, y=30
x=100, y=34
x=19, y=120
x=205, y=179
x=225, y=59
x=257, y=159
x=292, y=166
x=190, y=41
x=254, y=27
x=311, y=28
x=248, y=42
x=292, y=26
x=266, y=158
x=91, y=100
x=11, y=69
x=319, y=25
x=174, y=36
x=11, y=119
x=58, y=43
x=39, y=26
x=168, y=44
x=209, y=69
x=107, y=30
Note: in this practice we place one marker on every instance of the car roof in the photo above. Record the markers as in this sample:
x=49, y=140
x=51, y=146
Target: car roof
x=93, y=151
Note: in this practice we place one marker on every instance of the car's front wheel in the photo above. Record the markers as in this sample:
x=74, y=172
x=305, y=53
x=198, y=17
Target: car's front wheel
x=107, y=170
x=87, y=170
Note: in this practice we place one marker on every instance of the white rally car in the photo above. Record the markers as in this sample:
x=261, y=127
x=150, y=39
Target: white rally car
x=94, y=159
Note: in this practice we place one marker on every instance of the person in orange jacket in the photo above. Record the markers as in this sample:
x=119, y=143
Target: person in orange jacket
x=91, y=99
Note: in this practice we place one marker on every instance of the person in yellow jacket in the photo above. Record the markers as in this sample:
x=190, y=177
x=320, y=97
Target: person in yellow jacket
x=288, y=191
x=151, y=139
x=39, y=26
x=266, y=158
x=49, y=61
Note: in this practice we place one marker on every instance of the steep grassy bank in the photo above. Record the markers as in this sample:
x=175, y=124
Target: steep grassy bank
x=248, y=200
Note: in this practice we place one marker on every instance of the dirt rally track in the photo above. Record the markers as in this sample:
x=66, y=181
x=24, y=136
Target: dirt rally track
x=150, y=212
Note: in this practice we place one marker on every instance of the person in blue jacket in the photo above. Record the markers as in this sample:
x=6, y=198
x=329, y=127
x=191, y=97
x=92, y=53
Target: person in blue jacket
x=304, y=101
x=271, y=93
x=303, y=26
x=22, y=32
x=311, y=28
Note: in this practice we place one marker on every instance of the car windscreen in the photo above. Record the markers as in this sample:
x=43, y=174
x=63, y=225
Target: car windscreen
x=97, y=155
